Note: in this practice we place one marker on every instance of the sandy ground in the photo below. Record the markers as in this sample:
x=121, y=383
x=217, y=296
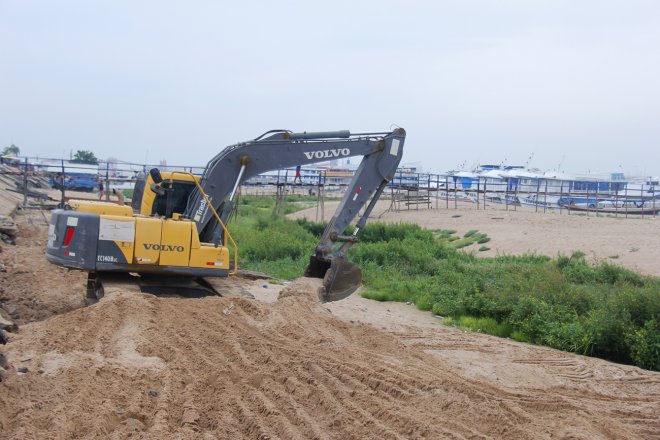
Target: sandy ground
x=138, y=366
x=32, y=289
x=633, y=242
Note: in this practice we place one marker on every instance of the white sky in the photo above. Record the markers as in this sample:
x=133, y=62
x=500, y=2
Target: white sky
x=472, y=81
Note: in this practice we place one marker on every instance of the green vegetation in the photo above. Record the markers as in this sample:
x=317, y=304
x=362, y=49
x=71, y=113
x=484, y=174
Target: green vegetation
x=603, y=310
x=11, y=150
x=271, y=244
x=481, y=325
x=85, y=156
x=249, y=206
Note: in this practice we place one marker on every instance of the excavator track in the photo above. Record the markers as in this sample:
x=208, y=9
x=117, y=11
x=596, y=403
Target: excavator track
x=100, y=283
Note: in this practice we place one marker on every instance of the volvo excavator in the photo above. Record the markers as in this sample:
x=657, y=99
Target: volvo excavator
x=174, y=233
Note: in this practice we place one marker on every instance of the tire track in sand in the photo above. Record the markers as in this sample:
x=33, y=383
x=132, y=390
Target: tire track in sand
x=291, y=370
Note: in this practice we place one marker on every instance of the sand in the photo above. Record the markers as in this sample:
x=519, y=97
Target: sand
x=283, y=366
x=32, y=289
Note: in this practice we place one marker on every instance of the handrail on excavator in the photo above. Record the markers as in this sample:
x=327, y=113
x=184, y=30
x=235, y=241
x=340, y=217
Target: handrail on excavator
x=226, y=234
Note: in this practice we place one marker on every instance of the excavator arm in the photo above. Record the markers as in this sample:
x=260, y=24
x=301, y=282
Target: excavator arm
x=278, y=149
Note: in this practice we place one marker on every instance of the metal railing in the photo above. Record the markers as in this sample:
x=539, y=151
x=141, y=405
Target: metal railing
x=408, y=190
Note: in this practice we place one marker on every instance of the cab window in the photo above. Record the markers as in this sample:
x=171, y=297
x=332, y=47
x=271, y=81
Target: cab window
x=179, y=198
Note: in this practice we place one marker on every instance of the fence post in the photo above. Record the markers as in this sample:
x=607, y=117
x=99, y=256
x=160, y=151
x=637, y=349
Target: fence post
x=447, y=192
x=538, y=188
x=107, y=181
x=485, y=185
x=25, y=184
x=62, y=180
x=479, y=190
x=616, y=198
x=515, y=196
x=428, y=192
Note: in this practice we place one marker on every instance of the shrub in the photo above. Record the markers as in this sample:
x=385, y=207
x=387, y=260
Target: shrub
x=645, y=345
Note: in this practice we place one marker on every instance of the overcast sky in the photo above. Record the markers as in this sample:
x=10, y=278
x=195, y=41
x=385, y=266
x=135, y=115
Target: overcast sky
x=573, y=83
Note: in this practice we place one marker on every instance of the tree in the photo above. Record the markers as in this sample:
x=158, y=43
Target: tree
x=11, y=150
x=84, y=156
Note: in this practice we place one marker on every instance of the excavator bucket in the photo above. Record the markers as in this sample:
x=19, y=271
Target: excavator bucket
x=340, y=277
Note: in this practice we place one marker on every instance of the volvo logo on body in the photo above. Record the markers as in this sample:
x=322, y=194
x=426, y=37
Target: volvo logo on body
x=163, y=247
x=327, y=154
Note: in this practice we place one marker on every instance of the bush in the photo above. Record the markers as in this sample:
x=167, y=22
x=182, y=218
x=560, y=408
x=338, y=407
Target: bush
x=645, y=346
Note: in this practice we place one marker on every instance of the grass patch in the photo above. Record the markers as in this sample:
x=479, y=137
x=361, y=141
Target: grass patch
x=461, y=243
x=449, y=237
x=481, y=325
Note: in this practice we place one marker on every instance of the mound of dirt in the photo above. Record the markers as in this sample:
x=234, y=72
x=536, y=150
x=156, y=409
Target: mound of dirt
x=237, y=368
x=32, y=289
x=303, y=288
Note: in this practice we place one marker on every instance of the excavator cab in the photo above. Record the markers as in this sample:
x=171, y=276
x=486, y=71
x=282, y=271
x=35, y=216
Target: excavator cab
x=152, y=198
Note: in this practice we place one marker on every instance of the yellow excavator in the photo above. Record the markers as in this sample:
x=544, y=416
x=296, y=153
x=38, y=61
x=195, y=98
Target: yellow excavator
x=174, y=234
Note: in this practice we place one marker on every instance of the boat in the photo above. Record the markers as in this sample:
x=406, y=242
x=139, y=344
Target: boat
x=608, y=210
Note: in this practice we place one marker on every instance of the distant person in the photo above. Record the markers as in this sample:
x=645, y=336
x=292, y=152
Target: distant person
x=298, y=178
x=101, y=190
